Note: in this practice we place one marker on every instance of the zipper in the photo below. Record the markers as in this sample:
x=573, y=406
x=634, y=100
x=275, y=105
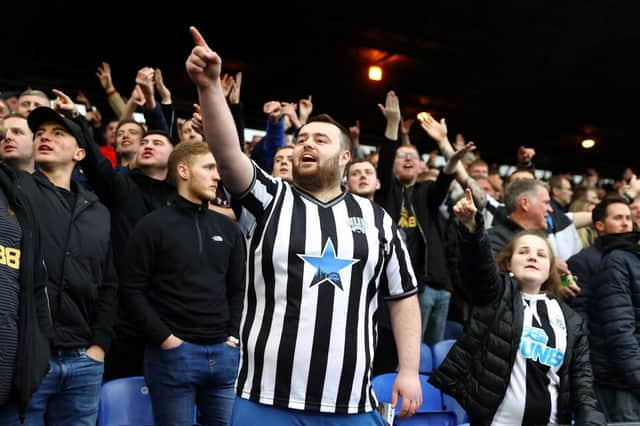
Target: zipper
x=199, y=234
x=46, y=293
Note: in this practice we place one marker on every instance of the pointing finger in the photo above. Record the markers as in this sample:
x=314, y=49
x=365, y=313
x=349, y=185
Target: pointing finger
x=60, y=94
x=197, y=37
x=467, y=194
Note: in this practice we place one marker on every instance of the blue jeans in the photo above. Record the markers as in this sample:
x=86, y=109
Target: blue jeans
x=434, y=307
x=247, y=413
x=191, y=375
x=68, y=395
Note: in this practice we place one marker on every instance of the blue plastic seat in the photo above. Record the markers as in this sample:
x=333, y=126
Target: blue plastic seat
x=450, y=404
x=125, y=402
x=452, y=330
x=441, y=418
x=426, y=359
x=440, y=351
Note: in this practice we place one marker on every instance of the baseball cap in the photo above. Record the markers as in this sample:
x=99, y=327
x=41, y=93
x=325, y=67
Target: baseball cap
x=42, y=115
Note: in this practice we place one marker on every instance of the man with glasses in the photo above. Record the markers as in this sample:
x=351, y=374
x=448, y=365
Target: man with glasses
x=414, y=206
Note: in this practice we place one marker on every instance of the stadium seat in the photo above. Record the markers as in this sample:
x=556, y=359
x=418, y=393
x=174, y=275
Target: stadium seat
x=426, y=359
x=125, y=402
x=450, y=404
x=452, y=330
x=440, y=351
x=441, y=418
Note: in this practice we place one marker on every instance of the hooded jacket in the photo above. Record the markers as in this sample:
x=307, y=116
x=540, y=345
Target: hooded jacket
x=614, y=314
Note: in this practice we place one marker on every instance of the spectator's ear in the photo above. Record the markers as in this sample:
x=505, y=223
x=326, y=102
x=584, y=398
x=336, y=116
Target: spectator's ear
x=599, y=225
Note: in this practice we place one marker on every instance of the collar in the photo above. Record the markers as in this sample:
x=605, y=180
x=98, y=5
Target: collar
x=182, y=203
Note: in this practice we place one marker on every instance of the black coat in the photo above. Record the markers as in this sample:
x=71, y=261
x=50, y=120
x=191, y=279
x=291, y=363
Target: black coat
x=477, y=370
x=614, y=314
x=32, y=360
x=81, y=278
x=426, y=198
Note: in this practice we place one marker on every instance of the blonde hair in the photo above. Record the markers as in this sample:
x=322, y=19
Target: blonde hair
x=183, y=152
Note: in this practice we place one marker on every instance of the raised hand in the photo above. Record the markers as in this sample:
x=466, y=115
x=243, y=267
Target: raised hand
x=436, y=130
x=405, y=125
x=144, y=80
x=305, y=107
x=452, y=163
x=465, y=210
x=289, y=111
x=104, y=76
x=163, y=90
x=525, y=155
x=137, y=96
x=196, y=120
x=227, y=82
x=234, y=96
x=391, y=107
x=203, y=64
x=64, y=105
x=273, y=110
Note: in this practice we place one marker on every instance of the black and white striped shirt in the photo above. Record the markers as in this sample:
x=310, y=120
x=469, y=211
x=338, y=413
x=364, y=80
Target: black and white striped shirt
x=532, y=395
x=313, y=274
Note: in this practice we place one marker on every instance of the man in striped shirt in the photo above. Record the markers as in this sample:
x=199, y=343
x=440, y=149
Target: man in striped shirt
x=318, y=257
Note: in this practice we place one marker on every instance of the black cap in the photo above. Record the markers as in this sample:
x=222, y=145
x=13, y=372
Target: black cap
x=42, y=115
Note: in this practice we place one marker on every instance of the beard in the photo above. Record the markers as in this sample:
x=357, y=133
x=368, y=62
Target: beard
x=324, y=175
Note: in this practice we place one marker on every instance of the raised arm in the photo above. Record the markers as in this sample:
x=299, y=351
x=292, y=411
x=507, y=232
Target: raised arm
x=113, y=97
x=203, y=66
x=104, y=180
x=438, y=132
x=478, y=270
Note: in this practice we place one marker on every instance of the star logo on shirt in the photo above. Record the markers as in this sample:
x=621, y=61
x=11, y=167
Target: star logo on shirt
x=328, y=266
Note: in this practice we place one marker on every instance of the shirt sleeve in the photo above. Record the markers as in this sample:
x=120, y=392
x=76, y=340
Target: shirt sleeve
x=397, y=280
x=258, y=198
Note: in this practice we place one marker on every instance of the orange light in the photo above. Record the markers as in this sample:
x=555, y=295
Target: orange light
x=422, y=116
x=375, y=73
x=588, y=143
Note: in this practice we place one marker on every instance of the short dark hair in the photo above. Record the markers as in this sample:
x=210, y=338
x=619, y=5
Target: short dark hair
x=345, y=139
x=352, y=162
x=555, y=181
x=599, y=212
x=132, y=121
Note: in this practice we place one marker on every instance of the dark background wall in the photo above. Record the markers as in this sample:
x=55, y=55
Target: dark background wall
x=536, y=73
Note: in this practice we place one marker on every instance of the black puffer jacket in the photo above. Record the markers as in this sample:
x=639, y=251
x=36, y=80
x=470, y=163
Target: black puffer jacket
x=477, y=370
x=614, y=314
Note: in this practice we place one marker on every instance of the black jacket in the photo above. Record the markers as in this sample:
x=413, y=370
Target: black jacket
x=32, y=360
x=81, y=279
x=185, y=274
x=585, y=266
x=477, y=369
x=128, y=196
x=427, y=198
x=615, y=314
